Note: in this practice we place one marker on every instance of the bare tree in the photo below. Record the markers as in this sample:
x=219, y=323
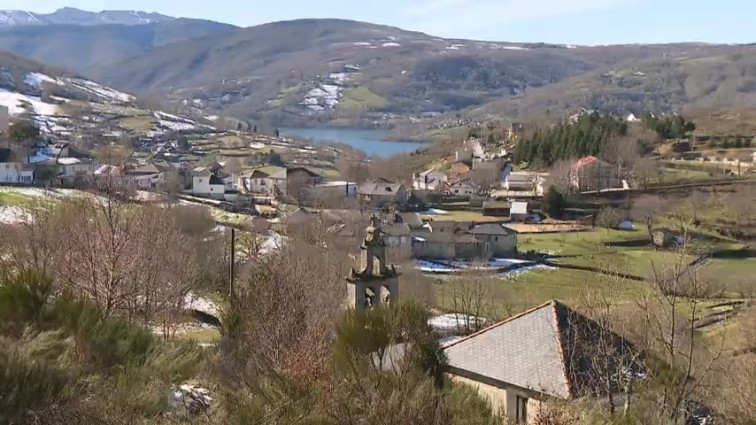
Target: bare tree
x=470, y=298
x=667, y=316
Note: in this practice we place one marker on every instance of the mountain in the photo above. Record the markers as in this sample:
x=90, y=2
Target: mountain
x=695, y=78
x=79, y=48
x=337, y=72
x=72, y=16
x=347, y=73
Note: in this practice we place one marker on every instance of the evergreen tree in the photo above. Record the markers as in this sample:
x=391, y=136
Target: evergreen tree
x=553, y=203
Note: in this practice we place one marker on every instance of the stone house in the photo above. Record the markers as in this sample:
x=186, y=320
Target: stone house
x=254, y=182
x=430, y=180
x=381, y=192
x=501, y=241
x=331, y=193
x=458, y=245
x=546, y=352
x=290, y=181
x=398, y=239
x=593, y=174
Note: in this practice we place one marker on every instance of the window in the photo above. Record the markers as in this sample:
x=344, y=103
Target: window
x=496, y=239
x=521, y=413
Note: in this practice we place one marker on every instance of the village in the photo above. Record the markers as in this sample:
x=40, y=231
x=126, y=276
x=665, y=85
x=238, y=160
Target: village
x=473, y=217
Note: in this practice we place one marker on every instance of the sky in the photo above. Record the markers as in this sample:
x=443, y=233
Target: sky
x=586, y=22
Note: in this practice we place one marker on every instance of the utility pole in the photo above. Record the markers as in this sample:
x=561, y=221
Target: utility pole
x=231, y=266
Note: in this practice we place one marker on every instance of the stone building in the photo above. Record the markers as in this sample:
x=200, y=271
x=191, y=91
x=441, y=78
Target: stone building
x=376, y=283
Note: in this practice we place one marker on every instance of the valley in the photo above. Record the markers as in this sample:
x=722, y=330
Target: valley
x=334, y=222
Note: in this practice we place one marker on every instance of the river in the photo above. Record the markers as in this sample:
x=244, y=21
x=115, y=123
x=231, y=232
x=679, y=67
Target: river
x=370, y=141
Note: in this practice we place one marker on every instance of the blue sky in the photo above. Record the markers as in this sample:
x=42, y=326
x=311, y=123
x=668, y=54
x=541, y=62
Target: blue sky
x=558, y=21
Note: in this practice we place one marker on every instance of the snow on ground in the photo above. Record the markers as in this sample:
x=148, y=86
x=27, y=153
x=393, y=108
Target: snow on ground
x=434, y=211
x=272, y=243
x=177, y=126
x=339, y=78
x=52, y=125
x=391, y=44
x=321, y=97
x=257, y=146
x=170, y=117
x=105, y=93
x=454, y=321
x=194, y=302
x=36, y=80
x=443, y=342
x=514, y=48
x=362, y=44
x=495, y=265
x=433, y=267
x=11, y=214
x=515, y=272
x=18, y=103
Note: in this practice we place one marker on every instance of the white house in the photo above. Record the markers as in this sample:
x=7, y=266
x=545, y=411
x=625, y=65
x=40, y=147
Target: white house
x=429, y=180
x=13, y=167
x=632, y=118
x=205, y=183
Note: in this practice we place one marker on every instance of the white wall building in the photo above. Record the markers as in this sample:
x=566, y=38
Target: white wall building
x=204, y=183
x=13, y=167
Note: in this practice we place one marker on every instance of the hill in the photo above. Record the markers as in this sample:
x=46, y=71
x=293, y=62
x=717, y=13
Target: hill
x=65, y=106
x=78, y=48
x=709, y=77
x=73, y=16
x=340, y=72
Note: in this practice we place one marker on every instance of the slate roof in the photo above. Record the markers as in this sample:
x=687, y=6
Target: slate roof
x=547, y=349
x=411, y=219
x=144, y=169
x=284, y=173
x=491, y=229
x=379, y=187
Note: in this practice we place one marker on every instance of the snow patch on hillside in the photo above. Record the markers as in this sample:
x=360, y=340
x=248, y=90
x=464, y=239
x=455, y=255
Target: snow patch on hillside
x=18, y=103
x=325, y=96
x=36, y=80
x=104, y=93
x=13, y=215
x=391, y=44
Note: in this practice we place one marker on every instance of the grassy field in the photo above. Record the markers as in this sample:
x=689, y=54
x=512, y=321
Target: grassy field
x=463, y=215
x=12, y=198
x=361, y=98
x=508, y=296
x=138, y=123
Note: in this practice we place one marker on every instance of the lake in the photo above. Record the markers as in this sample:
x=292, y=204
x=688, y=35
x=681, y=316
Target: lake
x=370, y=141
